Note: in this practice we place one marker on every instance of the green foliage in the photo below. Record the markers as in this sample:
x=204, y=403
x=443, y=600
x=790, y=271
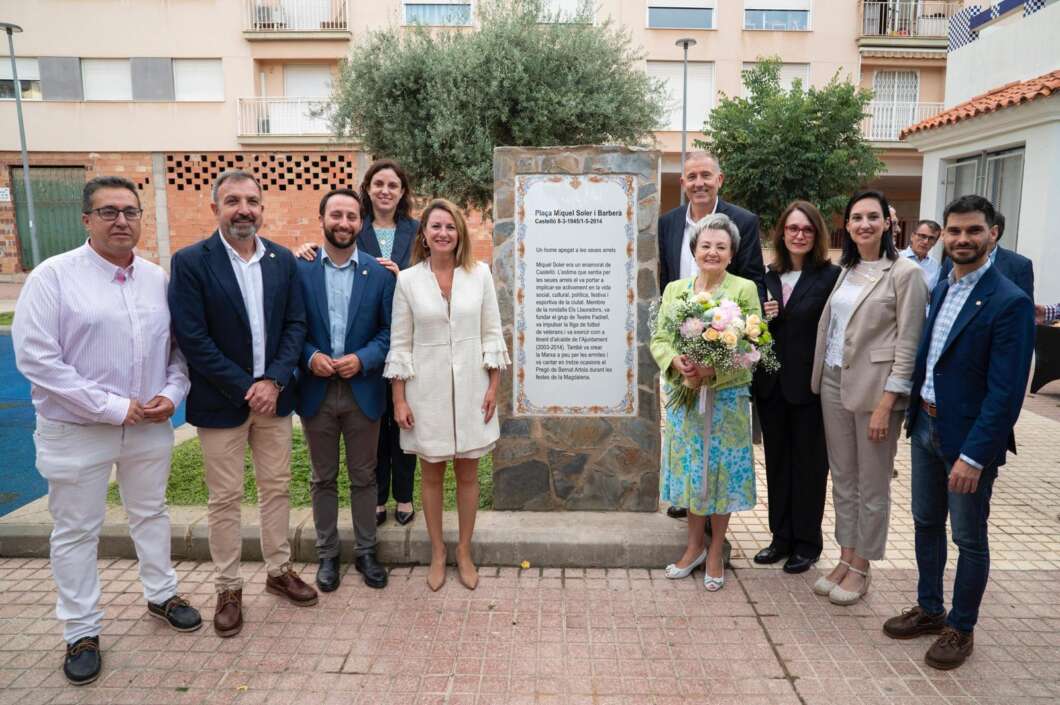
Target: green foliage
x=7, y=318
x=776, y=146
x=187, y=484
x=439, y=101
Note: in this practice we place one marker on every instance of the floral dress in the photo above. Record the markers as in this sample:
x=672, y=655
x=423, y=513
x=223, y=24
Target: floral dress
x=727, y=484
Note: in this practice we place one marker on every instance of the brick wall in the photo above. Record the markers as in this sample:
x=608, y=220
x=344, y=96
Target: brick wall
x=292, y=182
x=134, y=166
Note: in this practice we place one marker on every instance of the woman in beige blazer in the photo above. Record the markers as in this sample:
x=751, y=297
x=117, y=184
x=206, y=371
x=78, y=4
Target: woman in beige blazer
x=863, y=369
x=446, y=350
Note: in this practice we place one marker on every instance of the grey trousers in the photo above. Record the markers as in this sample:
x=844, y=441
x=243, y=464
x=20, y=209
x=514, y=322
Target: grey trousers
x=340, y=415
x=861, y=471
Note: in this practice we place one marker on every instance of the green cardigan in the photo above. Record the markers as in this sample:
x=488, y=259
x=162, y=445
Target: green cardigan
x=742, y=291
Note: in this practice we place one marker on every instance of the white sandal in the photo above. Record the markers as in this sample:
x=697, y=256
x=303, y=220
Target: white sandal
x=713, y=584
x=672, y=572
x=839, y=596
x=824, y=586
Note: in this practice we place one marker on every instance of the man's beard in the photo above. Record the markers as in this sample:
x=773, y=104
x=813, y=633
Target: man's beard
x=330, y=236
x=242, y=230
x=968, y=259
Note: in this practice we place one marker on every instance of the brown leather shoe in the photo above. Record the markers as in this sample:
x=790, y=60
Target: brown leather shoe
x=288, y=584
x=228, y=616
x=913, y=622
x=950, y=650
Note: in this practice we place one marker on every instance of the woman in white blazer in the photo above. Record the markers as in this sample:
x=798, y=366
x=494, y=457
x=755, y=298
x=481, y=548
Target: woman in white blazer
x=446, y=353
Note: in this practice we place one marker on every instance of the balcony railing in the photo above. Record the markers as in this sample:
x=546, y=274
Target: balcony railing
x=906, y=19
x=295, y=16
x=885, y=121
x=283, y=117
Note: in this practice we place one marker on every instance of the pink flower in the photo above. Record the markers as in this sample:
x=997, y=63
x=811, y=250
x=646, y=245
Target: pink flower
x=691, y=328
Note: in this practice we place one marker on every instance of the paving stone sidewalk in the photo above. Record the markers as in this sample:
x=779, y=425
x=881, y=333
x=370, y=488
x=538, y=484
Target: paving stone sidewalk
x=575, y=637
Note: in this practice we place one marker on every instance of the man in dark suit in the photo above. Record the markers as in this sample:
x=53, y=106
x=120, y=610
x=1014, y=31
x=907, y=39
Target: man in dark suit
x=1018, y=269
x=968, y=387
x=341, y=392
x=239, y=320
x=701, y=181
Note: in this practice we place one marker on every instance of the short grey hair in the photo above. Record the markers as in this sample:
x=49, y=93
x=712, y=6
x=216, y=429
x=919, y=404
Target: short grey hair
x=232, y=175
x=718, y=221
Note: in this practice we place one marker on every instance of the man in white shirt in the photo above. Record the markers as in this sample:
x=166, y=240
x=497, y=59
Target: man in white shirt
x=239, y=319
x=921, y=241
x=92, y=335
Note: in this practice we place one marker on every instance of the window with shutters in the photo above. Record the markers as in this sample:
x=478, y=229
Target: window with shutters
x=681, y=14
x=438, y=13
x=28, y=78
x=700, y=92
x=894, y=104
x=789, y=73
x=106, y=79
x=777, y=15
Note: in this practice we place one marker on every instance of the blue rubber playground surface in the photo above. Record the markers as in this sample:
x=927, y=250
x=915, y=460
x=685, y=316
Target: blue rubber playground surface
x=20, y=483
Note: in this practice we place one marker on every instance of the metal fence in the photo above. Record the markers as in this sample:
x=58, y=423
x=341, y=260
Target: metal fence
x=884, y=121
x=906, y=19
x=264, y=117
x=295, y=15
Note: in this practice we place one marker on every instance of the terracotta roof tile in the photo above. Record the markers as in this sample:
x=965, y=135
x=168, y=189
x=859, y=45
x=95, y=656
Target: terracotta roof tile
x=1004, y=96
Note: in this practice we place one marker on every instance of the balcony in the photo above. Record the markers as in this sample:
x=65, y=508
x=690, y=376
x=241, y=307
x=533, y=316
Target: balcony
x=885, y=121
x=288, y=120
x=905, y=24
x=296, y=19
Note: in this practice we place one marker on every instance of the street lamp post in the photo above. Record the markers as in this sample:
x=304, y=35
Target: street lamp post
x=34, y=246
x=684, y=43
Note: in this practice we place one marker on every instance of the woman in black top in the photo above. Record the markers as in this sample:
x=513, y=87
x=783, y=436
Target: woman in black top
x=799, y=282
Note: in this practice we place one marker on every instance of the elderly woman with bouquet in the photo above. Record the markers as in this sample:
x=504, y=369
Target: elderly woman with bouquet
x=707, y=339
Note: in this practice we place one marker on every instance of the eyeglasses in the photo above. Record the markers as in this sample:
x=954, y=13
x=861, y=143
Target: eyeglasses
x=808, y=231
x=109, y=213
x=925, y=238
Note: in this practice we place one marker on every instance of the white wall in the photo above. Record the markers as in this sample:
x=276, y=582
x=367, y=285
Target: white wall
x=1041, y=180
x=1015, y=51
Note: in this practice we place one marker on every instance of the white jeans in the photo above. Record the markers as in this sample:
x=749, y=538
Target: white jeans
x=76, y=461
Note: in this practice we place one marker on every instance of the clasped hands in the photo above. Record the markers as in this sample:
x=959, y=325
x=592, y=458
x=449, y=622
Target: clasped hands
x=157, y=410
x=691, y=371
x=324, y=366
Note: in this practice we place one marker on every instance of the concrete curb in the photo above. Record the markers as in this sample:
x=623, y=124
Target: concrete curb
x=553, y=539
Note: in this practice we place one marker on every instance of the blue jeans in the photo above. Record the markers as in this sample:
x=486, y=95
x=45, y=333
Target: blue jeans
x=968, y=514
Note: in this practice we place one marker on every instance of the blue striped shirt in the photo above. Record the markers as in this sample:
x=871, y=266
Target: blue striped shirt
x=338, y=281
x=953, y=301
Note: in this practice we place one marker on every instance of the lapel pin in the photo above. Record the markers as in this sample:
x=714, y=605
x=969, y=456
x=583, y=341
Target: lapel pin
x=272, y=254
x=978, y=303
x=364, y=272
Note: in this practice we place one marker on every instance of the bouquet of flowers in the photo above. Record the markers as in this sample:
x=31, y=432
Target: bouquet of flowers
x=715, y=333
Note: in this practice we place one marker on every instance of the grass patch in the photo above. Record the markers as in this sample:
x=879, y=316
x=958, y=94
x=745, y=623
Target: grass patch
x=7, y=318
x=187, y=483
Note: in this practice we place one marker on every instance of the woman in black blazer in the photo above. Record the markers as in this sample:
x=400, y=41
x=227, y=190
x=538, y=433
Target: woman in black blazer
x=798, y=282
x=387, y=234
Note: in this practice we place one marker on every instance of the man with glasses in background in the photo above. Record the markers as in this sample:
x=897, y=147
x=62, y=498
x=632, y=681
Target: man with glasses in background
x=921, y=241
x=92, y=335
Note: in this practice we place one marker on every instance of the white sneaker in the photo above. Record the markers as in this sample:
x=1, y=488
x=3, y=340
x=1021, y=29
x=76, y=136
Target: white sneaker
x=675, y=573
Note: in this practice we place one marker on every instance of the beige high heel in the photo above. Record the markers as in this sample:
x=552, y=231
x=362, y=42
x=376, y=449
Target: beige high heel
x=435, y=584
x=824, y=586
x=839, y=596
x=468, y=581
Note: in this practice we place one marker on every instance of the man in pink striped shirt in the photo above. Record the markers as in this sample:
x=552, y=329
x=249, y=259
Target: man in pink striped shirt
x=92, y=335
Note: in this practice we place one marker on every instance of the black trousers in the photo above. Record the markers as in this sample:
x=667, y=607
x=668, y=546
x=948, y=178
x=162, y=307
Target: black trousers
x=796, y=472
x=393, y=463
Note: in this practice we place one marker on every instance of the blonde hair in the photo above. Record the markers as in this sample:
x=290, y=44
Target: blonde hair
x=420, y=251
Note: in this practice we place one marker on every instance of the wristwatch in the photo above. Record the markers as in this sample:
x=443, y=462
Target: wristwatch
x=279, y=387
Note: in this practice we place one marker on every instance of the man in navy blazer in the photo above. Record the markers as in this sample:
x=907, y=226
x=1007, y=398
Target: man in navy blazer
x=1018, y=269
x=341, y=391
x=701, y=181
x=968, y=387
x=238, y=318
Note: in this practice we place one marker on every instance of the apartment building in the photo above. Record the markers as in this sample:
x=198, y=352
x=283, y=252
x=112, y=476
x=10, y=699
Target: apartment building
x=171, y=92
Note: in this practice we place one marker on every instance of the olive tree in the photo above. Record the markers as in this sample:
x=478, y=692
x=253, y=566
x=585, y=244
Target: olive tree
x=439, y=101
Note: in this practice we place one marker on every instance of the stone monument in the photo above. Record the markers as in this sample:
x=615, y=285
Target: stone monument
x=575, y=254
